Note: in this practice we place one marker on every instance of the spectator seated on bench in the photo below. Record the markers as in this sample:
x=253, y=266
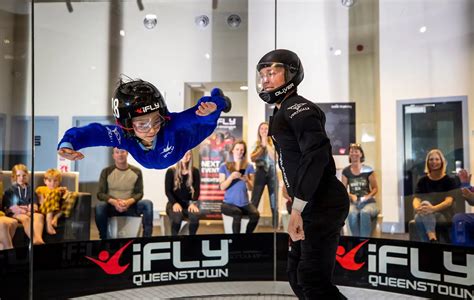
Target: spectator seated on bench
x=120, y=194
x=434, y=200
x=20, y=204
x=236, y=178
x=362, y=184
x=182, y=187
x=76, y=227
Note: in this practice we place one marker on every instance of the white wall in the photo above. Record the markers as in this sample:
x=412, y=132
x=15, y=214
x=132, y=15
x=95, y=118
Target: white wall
x=261, y=38
x=415, y=65
x=6, y=71
x=71, y=55
x=6, y=63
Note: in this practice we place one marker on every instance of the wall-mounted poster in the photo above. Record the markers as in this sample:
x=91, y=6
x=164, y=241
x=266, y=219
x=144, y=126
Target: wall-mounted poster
x=213, y=151
x=340, y=124
x=269, y=111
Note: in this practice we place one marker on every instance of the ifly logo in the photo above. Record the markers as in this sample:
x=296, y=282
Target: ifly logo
x=347, y=259
x=111, y=265
x=144, y=109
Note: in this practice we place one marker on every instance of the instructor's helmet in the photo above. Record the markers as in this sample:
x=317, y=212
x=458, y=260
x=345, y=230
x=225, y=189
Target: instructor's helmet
x=133, y=99
x=277, y=60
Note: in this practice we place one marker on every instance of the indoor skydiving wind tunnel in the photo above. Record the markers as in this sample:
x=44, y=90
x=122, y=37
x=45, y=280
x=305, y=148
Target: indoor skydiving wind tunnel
x=391, y=77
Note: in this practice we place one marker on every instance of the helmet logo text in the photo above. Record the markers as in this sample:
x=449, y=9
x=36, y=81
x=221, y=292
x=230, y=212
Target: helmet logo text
x=144, y=109
x=285, y=89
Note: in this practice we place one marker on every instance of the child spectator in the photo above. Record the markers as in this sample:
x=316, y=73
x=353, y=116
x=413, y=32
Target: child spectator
x=55, y=200
x=18, y=203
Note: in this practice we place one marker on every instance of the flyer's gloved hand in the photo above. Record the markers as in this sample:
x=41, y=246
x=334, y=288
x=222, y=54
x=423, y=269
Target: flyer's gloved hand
x=217, y=92
x=217, y=100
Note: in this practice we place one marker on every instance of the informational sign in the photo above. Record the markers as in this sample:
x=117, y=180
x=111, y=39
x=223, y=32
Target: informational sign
x=213, y=152
x=340, y=125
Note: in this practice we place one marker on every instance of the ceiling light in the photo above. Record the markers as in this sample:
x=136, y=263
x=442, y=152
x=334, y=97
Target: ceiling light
x=201, y=21
x=422, y=29
x=196, y=85
x=234, y=21
x=244, y=87
x=6, y=41
x=150, y=21
x=207, y=55
x=337, y=52
x=348, y=3
x=122, y=32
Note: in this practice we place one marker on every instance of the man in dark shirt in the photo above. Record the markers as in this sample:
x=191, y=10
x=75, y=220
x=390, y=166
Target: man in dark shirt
x=120, y=194
x=320, y=201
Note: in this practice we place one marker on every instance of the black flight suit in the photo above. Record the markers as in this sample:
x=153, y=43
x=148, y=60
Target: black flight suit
x=309, y=172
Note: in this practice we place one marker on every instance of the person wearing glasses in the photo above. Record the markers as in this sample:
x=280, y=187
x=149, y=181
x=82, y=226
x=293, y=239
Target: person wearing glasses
x=145, y=128
x=362, y=188
x=120, y=194
x=320, y=201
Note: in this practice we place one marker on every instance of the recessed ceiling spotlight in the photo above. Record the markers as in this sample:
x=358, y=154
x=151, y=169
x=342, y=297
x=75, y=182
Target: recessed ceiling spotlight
x=244, y=88
x=150, y=21
x=422, y=29
x=207, y=55
x=348, y=3
x=6, y=41
x=122, y=32
x=234, y=21
x=196, y=85
x=201, y=21
x=337, y=52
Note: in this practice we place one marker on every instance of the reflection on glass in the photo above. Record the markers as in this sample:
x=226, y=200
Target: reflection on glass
x=16, y=135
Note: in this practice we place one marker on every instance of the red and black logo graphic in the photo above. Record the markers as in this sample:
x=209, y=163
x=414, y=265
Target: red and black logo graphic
x=111, y=265
x=346, y=259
